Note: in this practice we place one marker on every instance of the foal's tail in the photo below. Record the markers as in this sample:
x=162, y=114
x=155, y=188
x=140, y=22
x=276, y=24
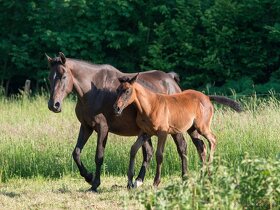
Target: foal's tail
x=175, y=76
x=226, y=101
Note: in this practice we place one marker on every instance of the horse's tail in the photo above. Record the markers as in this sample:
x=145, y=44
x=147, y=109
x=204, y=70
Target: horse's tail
x=175, y=76
x=226, y=101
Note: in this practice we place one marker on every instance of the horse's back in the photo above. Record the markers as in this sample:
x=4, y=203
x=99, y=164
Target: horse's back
x=163, y=82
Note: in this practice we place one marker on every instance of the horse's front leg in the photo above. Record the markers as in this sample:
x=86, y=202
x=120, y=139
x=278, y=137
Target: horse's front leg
x=159, y=156
x=148, y=151
x=102, y=135
x=84, y=135
x=133, y=151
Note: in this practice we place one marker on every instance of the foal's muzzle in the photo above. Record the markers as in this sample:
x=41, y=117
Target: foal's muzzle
x=55, y=107
x=117, y=110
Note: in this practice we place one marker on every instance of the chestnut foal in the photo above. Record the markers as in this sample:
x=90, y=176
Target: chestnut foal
x=160, y=114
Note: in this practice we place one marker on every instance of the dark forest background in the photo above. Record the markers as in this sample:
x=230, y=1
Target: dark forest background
x=220, y=46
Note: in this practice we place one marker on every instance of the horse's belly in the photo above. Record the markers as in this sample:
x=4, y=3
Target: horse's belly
x=124, y=129
x=125, y=124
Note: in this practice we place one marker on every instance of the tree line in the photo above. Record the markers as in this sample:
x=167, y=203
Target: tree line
x=214, y=45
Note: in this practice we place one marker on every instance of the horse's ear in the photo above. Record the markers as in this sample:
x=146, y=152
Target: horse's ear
x=133, y=79
x=62, y=57
x=48, y=58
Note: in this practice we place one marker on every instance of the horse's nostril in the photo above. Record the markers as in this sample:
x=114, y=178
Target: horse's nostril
x=57, y=105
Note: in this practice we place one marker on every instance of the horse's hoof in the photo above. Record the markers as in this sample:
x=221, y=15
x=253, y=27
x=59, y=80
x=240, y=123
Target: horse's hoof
x=137, y=183
x=93, y=190
x=130, y=185
x=95, y=184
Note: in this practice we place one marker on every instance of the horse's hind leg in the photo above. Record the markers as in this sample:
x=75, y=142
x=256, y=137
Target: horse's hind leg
x=182, y=150
x=147, y=150
x=84, y=135
x=133, y=151
x=199, y=144
x=102, y=135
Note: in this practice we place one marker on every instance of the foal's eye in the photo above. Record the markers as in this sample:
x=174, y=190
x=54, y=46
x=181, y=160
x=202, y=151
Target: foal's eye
x=64, y=77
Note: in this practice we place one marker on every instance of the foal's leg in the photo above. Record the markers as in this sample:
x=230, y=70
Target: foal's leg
x=133, y=151
x=212, y=144
x=159, y=156
x=147, y=150
x=84, y=135
x=182, y=150
x=102, y=135
x=199, y=144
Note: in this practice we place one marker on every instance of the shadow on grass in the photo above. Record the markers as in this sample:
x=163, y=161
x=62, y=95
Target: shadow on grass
x=10, y=194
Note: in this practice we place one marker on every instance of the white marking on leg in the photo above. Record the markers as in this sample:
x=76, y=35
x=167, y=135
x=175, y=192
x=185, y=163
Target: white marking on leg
x=137, y=183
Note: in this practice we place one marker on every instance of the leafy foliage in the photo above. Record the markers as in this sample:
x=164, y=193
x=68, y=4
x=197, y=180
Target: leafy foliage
x=254, y=185
x=209, y=43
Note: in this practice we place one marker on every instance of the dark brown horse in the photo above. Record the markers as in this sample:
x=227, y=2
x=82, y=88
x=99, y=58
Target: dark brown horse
x=162, y=114
x=95, y=86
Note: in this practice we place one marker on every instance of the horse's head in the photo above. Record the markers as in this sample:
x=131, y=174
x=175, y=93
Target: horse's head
x=125, y=94
x=61, y=81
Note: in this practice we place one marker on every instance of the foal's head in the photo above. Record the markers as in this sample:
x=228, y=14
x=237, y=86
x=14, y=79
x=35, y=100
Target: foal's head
x=61, y=81
x=126, y=94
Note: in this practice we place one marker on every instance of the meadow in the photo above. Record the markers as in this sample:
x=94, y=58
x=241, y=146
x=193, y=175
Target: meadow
x=37, y=170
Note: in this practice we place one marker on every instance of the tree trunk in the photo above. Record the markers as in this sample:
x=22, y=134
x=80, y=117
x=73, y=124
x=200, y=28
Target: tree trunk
x=7, y=87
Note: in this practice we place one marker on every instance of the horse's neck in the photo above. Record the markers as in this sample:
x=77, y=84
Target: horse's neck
x=145, y=100
x=92, y=79
x=81, y=83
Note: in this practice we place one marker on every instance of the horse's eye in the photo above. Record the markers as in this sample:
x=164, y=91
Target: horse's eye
x=64, y=77
x=57, y=76
x=127, y=91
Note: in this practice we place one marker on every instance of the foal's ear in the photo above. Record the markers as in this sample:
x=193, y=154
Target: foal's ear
x=133, y=79
x=62, y=58
x=48, y=58
x=123, y=79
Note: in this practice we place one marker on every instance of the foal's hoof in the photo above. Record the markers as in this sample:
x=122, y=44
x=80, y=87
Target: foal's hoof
x=156, y=183
x=185, y=177
x=137, y=183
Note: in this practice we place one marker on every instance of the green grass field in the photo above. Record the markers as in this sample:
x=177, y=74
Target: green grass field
x=36, y=161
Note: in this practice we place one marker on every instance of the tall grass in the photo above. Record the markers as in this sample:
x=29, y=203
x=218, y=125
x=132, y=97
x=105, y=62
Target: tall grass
x=254, y=185
x=36, y=142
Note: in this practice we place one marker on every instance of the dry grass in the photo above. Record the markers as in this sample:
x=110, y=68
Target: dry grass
x=65, y=193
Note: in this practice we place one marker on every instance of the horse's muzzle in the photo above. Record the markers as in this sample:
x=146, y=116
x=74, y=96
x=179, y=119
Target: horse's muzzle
x=54, y=107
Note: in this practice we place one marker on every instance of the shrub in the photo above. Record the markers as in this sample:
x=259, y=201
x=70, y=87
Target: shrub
x=253, y=185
